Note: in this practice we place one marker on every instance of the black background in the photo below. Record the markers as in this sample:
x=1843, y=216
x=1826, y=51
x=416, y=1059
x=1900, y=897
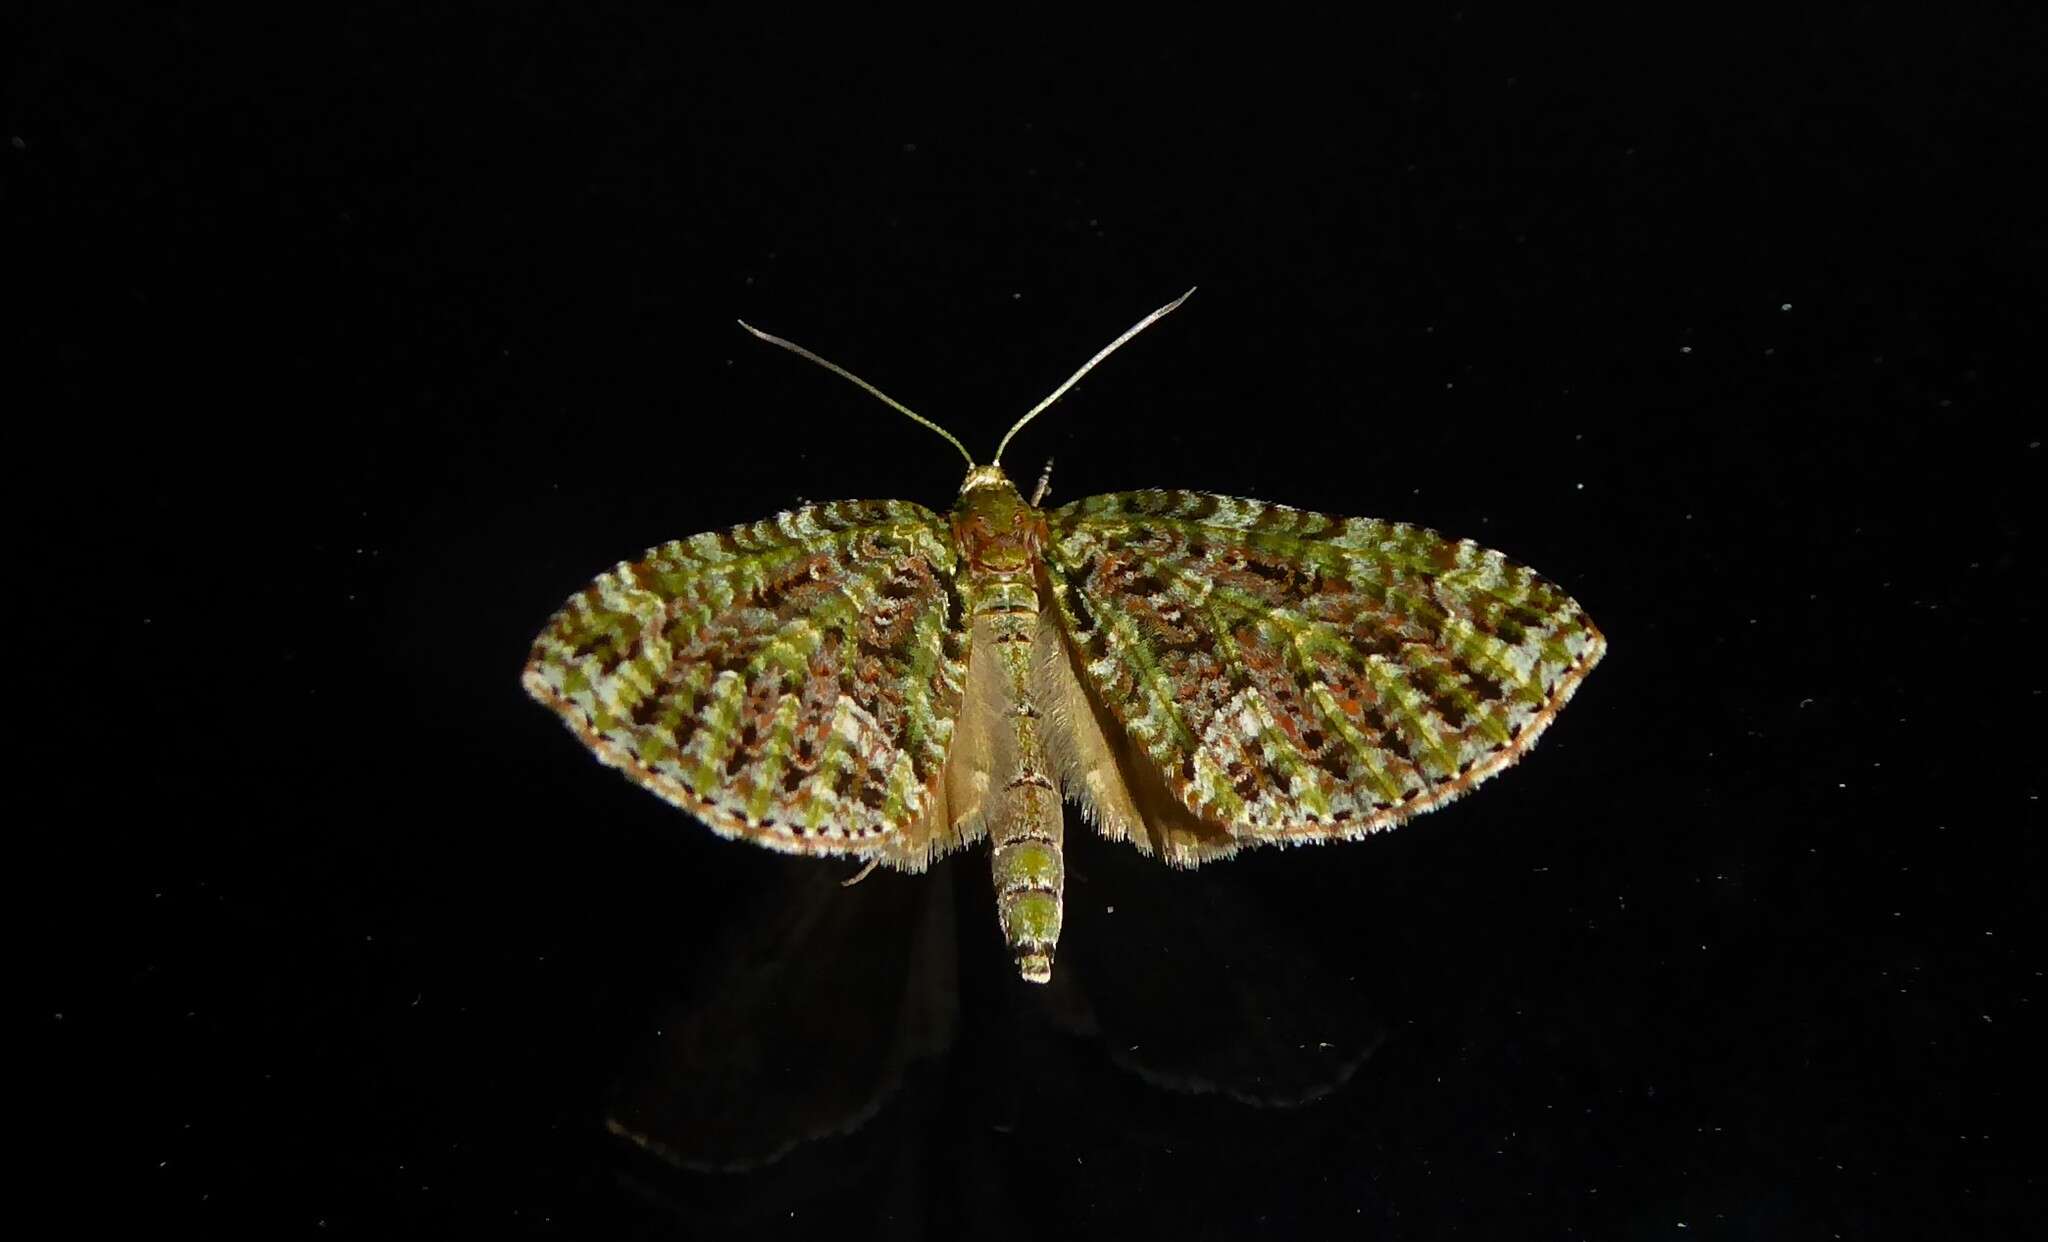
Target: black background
x=377, y=332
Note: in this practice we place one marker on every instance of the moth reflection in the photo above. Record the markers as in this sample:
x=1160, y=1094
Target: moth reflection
x=835, y=1042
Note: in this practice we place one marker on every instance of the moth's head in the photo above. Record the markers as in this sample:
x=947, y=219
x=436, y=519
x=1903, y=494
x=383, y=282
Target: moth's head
x=982, y=477
x=993, y=525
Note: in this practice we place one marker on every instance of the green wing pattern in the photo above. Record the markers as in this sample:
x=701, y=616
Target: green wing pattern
x=793, y=682
x=1299, y=677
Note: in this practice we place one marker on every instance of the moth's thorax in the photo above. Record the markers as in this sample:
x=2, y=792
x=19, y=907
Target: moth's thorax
x=996, y=530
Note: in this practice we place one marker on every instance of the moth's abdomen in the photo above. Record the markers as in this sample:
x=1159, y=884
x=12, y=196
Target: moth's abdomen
x=1030, y=873
x=999, y=537
x=1024, y=815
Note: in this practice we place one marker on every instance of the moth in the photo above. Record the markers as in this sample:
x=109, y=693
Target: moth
x=874, y=680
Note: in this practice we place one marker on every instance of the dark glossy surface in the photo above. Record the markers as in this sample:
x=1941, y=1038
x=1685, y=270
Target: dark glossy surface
x=379, y=334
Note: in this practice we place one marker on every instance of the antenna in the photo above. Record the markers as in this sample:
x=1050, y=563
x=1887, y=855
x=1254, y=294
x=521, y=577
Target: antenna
x=1073, y=379
x=884, y=397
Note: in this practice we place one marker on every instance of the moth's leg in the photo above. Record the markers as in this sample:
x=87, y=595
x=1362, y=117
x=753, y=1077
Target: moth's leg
x=1044, y=484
